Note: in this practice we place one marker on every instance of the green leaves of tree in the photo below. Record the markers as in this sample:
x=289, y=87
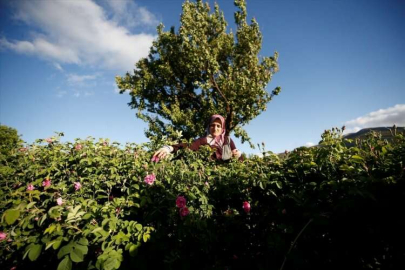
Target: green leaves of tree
x=201, y=70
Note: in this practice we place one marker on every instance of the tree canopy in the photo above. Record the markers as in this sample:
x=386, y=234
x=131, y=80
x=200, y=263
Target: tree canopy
x=202, y=70
x=9, y=139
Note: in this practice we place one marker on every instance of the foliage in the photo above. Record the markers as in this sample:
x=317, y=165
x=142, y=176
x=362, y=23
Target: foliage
x=97, y=205
x=9, y=139
x=199, y=71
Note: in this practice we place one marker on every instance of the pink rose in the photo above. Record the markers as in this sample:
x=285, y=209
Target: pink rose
x=105, y=143
x=78, y=147
x=184, y=211
x=206, y=183
x=181, y=202
x=59, y=201
x=23, y=149
x=3, y=236
x=246, y=207
x=149, y=179
x=46, y=183
x=30, y=187
x=49, y=140
x=155, y=159
x=13, y=268
x=77, y=186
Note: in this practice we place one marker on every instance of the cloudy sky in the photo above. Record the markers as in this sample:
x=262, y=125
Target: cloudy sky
x=341, y=63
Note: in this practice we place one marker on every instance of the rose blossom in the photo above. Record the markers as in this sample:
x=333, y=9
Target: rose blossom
x=3, y=236
x=77, y=186
x=184, y=211
x=181, y=202
x=46, y=183
x=149, y=179
x=155, y=159
x=30, y=187
x=49, y=140
x=59, y=201
x=78, y=147
x=246, y=207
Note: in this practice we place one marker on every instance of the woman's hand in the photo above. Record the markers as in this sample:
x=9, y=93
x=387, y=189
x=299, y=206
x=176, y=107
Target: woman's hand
x=161, y=153
x=236, y=153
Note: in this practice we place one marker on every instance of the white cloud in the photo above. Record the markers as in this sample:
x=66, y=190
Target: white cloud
x=77, y=79
x=128, y=13
x=381, y=118
x=58, y=67
x=309, y=144
x=61, y=93
x=79, y=32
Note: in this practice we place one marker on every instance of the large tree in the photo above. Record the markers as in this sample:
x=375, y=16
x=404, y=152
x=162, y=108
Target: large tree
x=202, y=70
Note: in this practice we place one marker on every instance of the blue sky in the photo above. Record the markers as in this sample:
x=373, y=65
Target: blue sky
x=342, y=62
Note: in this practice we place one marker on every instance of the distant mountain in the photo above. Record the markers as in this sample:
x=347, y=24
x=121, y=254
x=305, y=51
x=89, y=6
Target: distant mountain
x=386, y=132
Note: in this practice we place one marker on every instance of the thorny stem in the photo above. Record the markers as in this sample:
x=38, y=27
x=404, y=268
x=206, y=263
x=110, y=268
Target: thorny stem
x=293, y=244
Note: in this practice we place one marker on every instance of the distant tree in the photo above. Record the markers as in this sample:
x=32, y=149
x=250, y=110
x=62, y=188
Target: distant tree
x=199, y=71
x=9, y=140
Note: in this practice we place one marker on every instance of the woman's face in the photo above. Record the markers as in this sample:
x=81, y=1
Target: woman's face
x=216, y=128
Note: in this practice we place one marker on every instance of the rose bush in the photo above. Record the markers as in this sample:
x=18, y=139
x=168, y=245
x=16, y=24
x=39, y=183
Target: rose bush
x=107, y=206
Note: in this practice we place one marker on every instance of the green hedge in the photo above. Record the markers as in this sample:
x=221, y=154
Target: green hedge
x=87, y=205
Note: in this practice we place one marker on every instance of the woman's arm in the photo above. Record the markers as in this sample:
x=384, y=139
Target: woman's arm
x=165, y=150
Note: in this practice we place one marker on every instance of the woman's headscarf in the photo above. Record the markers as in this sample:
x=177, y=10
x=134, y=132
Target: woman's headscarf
x=219, y=140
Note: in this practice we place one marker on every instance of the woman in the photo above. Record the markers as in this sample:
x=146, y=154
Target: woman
x=215, y=137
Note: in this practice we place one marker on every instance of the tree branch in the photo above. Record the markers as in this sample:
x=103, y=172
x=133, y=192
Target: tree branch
x=229, y=111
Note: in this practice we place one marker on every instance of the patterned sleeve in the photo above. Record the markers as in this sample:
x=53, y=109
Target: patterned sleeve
x=195, y=145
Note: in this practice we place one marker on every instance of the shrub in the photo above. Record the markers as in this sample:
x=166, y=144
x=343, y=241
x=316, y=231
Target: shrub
x=88, y=204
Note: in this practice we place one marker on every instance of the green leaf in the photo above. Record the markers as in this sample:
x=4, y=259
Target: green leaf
x=138, y=227
x=57, y=243
x=42, y=219
x=35, y=250
x=50, y=229
x=65, y=250
x=133, y=250
x=146, y=237
x=83, y=249
x=87, y=216
x=83, y=241
x=76, y=255
x=30, y=205
x=12, y=215
x=65, y=264
x=49, y=245
x=110, y=264
x=357, y=159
